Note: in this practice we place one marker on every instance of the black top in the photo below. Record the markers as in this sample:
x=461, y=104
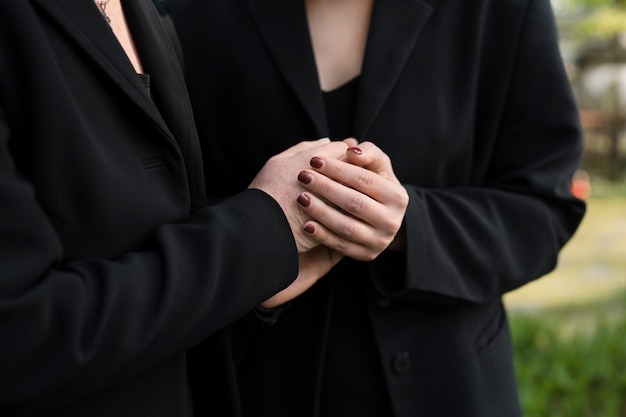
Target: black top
x=145, y=80
x=353, y=383
x=340, y=106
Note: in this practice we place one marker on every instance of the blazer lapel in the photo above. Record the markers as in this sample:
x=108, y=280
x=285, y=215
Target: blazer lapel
x=394, y=30
x=169, y=91
x=289, y=43
x=160, y=59
x=83, y=22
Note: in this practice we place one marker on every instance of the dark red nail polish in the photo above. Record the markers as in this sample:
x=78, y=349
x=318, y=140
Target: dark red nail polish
x=305, y=177
x=304, y=200
x=309, y=228
x=316, y=162
x=357, y=151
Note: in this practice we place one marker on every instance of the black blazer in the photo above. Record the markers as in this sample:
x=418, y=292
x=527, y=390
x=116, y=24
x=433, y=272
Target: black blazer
x=111, y=264
x=471, y=102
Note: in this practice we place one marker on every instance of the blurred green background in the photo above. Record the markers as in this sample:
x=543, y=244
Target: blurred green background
x=569, y=327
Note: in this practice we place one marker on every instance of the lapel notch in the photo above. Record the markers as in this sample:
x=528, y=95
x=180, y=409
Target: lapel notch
x=394, y=30
x=81, y=20
x=289, y=43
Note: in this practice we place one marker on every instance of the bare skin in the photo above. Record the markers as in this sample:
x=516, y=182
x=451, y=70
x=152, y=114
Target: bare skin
x=115, y=12
x=338, y=30
x=355, y=203
x=360, y=214
x=314, y=260
x=278, y=179
x=339, y=50
x=371, y=199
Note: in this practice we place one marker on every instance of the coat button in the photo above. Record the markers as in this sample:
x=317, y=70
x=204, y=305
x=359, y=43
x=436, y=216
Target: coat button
x=401, y=362
x=383, y=302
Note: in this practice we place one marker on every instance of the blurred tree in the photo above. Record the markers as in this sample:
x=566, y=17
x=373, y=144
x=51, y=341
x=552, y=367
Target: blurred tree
x=601, y=18
x=598, y=31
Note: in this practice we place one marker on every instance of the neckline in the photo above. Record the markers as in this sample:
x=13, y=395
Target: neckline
x=343, y=86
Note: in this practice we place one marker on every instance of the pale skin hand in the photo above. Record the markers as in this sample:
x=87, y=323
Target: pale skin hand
x=313, y=265
x=119, y=26
x=372, y=199
x=363, y=184
x=278, y=178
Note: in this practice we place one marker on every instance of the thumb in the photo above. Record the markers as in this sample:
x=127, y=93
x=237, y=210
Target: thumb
x=371, y=157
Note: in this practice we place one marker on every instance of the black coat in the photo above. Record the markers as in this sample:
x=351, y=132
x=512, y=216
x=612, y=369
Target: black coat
x=471, y=102
x=111, y=264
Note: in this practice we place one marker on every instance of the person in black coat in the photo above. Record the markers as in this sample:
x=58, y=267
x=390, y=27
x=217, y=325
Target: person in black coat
x=112, y=264
x=471, y=103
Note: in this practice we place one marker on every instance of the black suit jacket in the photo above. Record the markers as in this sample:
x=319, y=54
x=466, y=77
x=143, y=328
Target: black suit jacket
x=111, y=264
x=471, y=102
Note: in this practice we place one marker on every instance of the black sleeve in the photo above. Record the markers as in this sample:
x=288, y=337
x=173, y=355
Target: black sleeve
x=68, y=328
x=472, y=244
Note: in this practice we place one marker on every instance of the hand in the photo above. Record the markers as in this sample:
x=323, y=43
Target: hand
x=278, y=178
x=372, y=200
x=313, y=265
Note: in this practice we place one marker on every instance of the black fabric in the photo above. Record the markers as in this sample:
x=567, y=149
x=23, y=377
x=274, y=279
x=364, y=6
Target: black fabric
x=350, y=342
x=353, y=382
x=106, y=276
x=340, y=107
x=471, y=102
x=145, y=79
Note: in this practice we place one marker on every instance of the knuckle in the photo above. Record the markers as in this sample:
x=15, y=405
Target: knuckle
x=341, y=245
x=323, y=186
x=388, y=223
x=321, y=236
x=387, y=242
x=370, y=256
x=402, y=197
x=356, y=204
x=321, y=212
x=349, y=230
x=336, y=170
x=364, y=178
x=367, y=256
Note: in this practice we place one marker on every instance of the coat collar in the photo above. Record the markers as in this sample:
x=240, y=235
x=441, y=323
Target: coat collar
x=289, y=42
x=82, y=21
x=394, y=30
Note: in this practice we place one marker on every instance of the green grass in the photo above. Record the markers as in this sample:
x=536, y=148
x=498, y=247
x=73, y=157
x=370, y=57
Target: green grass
x=592, y=265
x=571, y=362
x=569, y=327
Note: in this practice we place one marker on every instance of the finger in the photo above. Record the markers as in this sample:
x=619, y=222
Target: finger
x=313, y=265
x=351, y=142
x=382, y=213
x=349, y=200
x=371, y=157
x=338, y=244
x=361, y=179
x=338, y=222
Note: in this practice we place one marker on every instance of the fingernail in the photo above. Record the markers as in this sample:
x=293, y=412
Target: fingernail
x=304, y=200
x=357, y=151
x=309, y=228
x=305, y=177
x=316, y=162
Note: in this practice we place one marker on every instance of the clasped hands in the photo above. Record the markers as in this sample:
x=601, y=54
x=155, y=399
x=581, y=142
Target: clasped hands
x=341, y=199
